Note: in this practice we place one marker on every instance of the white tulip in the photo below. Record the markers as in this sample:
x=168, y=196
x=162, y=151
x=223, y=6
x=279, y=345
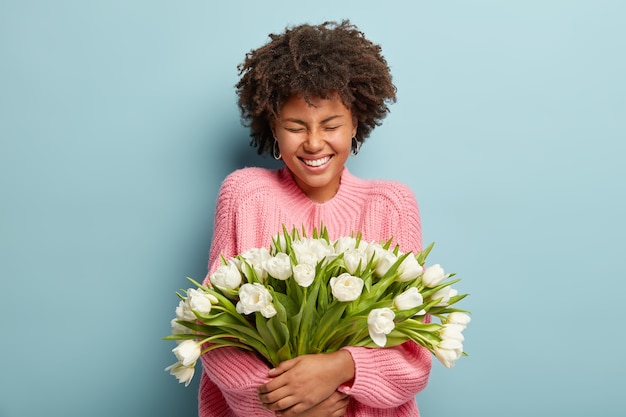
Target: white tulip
x=344, y=244
x=458, y=317
x=374, y=251
x=304, y=274
x=409, y=269
x=268, y=311
x=183, y=311
x=227, y=277
x=448, y=352
x=311, y=251
x=380, y=324
x=445, y=294
x=385, y=261
x=278, y=266
x=346, y=287
x=200, y=301
x=183, y=373
x=255, y=257
x=433, y=276
x=352, y=258
x=409, y=299
x=329, y=258
x=187, y=352
x=255, y=297
x=452, y=331
x=179, y=328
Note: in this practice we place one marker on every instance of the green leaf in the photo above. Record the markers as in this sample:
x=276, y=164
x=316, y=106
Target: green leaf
x=287, y=303
x=284, y=353
x=182, y=336
x=265, y=333
x=330, y=325
x=279, y=330
x=428, y=292
x=421, y=257
x=380, y=288
x=309, y=314
x=200, y=328
x=250, y=273
x=297, y=336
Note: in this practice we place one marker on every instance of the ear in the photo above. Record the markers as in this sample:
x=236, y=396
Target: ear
x=355, y=126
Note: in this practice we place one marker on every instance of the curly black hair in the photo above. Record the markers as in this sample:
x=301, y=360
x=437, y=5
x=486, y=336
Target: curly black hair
x=314, y=61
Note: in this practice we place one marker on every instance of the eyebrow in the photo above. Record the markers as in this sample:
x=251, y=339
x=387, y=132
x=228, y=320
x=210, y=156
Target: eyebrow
x=302, y=122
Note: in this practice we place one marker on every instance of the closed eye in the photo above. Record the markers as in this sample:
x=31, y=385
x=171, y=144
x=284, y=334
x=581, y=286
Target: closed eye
x=294, y=129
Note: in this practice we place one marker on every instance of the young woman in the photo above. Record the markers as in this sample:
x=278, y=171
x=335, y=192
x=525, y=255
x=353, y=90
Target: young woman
x=311, y=96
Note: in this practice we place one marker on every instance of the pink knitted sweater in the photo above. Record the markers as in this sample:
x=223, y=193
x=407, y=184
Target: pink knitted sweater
x=252, y=206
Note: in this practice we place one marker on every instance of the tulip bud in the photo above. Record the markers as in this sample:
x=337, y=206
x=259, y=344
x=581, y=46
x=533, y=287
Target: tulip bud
x=433, y=275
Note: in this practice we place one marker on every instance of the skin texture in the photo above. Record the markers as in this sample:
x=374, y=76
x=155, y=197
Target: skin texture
x=307, y=385
x=318, y=131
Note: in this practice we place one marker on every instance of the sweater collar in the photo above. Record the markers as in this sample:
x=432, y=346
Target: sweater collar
x=296, y=194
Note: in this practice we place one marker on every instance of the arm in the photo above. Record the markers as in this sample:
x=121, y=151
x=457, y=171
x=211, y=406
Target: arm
x=334, y=406
x=378, y=378
x=307, y=383
x=211, y=402
x=402, y=215
x=388, y=377
x=230, y=378
x=224, y=242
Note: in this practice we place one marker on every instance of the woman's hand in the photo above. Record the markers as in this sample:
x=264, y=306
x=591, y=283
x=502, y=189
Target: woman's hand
x=305, y=382
x=333, y=406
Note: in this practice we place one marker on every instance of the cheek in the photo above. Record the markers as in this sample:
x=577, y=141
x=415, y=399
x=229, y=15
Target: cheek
x=287, y=144
x=343, y=144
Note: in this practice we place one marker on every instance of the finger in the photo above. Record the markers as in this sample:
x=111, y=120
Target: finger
x=281, y=368
x=279, y=399
x=300, y=409
x=282, y=404
x=338, y=395
x=342, y=407
x=270, y=386
x=343, y=403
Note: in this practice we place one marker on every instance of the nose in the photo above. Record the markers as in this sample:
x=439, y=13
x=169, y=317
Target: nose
x=314, y=141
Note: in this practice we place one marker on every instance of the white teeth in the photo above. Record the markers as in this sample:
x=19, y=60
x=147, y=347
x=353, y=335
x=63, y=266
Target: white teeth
x=316, y=162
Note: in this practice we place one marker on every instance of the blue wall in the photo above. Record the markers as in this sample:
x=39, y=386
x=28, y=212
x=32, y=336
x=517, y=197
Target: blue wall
x=118, y=122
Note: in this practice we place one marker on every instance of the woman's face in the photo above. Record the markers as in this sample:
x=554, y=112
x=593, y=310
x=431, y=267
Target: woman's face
x=314, y=141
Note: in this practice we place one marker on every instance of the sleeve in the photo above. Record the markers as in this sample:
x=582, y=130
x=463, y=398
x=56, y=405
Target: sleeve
x=228, y=387
x=224, y=241
x=211, y=402
x=392, y=212
x=388, y=377
x=406, y=226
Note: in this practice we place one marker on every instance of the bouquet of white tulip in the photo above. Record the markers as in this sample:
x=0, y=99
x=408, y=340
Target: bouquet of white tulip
x=312, y=295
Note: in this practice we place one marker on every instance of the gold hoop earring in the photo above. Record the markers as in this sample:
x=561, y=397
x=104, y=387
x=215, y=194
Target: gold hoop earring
x=276, y=150
x=356, y=146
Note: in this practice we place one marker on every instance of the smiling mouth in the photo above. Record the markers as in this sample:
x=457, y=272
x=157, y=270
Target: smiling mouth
x=316, y=162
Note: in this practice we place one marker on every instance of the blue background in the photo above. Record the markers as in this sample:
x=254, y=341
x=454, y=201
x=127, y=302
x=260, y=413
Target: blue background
x=118, y=122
